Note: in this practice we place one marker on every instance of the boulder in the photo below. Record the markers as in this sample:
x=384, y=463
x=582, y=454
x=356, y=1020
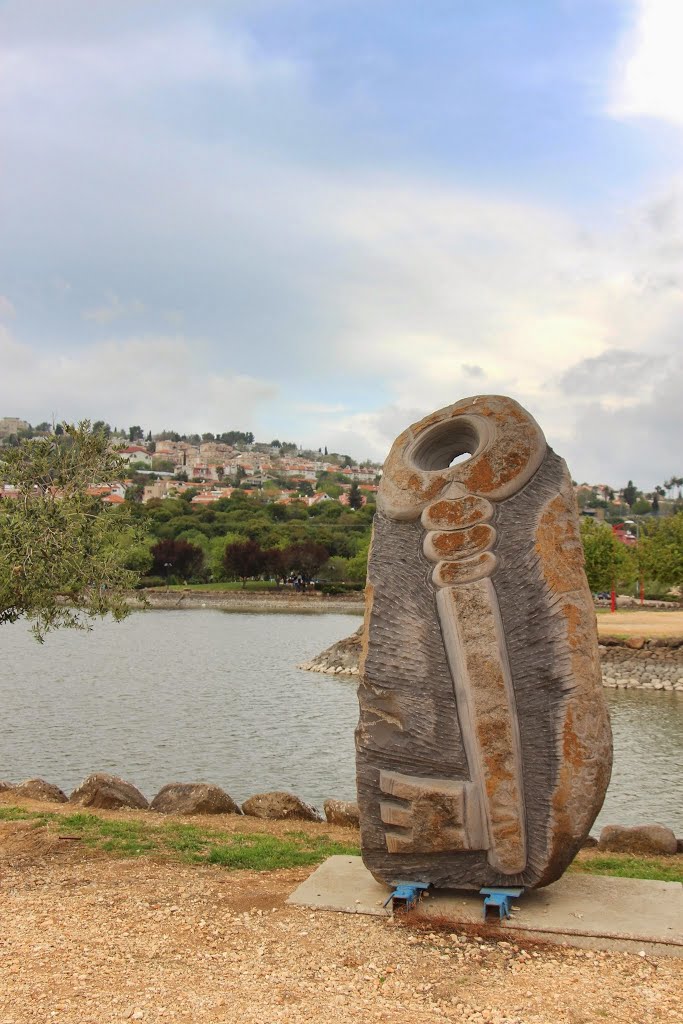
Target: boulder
x=648, y=839
x=636, y=643
x=39, y=789
x=342, y=812
x=589, y=843
x=279, y=805
x=6, y=786
x=106, y=791
x=193, y=798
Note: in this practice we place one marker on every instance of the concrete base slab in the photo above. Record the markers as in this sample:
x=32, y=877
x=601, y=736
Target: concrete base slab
x=588, y=911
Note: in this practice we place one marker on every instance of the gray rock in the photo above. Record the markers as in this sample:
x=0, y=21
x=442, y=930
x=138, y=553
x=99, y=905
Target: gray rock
x=39, y=789
x=193, y=798
x=342, y=812
x=648, y=839
x=106, y=791
x=280, y=805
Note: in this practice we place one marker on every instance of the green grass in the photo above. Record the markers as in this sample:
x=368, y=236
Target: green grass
x=626, y=865
x=188, y=843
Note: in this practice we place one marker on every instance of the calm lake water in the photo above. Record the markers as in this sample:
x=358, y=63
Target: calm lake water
x=171, y=696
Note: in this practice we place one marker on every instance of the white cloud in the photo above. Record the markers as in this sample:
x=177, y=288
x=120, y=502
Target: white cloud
x=114, y=309
x=648, y=78
x=7, y=309
x=160, y=382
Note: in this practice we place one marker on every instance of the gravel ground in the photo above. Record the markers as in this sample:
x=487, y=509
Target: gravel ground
x=92, y=940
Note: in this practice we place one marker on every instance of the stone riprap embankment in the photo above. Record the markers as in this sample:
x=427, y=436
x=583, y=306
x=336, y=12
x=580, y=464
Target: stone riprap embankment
x=639, y=664
x=341, y=659
x=635, y=663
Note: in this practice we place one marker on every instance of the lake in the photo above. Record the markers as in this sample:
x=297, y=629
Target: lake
x=169, y=696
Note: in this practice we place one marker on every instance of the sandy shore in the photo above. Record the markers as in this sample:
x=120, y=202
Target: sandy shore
x=634, y=622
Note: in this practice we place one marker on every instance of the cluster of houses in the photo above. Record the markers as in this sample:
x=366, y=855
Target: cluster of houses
x=212, y=465
x=213, y=461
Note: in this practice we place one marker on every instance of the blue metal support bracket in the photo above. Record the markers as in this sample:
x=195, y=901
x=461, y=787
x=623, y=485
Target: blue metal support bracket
x=406, y=895
x=500, y=900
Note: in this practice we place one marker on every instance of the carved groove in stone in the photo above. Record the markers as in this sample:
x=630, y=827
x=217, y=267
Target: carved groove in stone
x=434, y=814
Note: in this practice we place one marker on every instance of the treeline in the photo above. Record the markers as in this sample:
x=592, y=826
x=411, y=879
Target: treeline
x=240, y=538
x=655, y=559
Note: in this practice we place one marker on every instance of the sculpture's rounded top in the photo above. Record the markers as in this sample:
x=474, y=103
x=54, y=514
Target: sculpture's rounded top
x=505, y=444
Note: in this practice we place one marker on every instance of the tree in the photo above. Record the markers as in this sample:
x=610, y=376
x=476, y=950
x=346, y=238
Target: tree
x=244, y=560
x=630, y=493
x=177, y=558
x=661, y=541
x=608, y=561
x=135, y=433
x=355, y=497
x=641, y=507
x=655, y=502
x=100, y=427
x=306, y=559
x=61, y=563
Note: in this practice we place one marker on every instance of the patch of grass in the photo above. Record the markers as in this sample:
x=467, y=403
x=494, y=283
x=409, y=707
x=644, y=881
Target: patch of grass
x=14, y=814
x=124, y=838
x=21, y=814
x=187, y=842
x=626, y=865
x=262, y=852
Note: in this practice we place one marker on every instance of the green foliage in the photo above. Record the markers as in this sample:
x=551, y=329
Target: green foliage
x=641, y=507
x=608, y=561
x=630, y=493
x=62, y=551
x=661, y=544
x=355, y=497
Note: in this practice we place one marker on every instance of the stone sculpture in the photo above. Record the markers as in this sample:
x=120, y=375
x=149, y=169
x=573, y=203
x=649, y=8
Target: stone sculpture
x=483, y=745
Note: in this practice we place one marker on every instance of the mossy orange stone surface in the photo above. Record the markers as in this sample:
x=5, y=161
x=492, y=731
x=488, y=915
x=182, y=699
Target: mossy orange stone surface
x=483, y=747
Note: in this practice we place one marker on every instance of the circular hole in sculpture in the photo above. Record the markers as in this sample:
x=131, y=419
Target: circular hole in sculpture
x=446, y=445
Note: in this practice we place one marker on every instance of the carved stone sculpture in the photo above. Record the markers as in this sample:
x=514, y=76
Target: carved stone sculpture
x=483, y=746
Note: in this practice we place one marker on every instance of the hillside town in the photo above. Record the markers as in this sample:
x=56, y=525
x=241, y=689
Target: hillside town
x=211, y=466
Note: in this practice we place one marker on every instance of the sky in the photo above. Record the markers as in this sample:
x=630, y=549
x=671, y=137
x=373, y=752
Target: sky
x=319, y=220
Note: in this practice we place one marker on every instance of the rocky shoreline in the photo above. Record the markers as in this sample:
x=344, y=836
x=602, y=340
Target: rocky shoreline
x=247, y=601
x=102, y=791
x=632, y=664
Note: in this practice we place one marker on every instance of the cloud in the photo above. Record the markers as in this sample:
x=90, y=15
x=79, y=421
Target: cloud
x=199, y=183
x=7, y=309
x=648, y=79
x=114, y=309
x=161, y=382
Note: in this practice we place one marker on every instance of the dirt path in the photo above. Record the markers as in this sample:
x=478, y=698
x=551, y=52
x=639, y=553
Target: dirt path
x=640, y=623
x=91, y=940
